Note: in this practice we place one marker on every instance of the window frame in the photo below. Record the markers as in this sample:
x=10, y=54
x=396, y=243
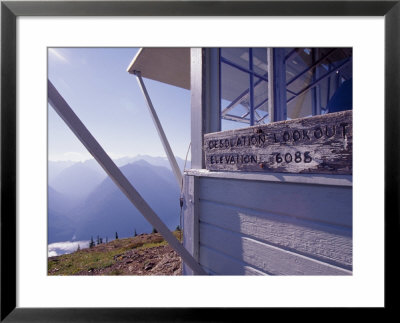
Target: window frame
x=278, y=85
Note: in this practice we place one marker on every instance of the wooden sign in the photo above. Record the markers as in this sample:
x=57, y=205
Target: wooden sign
x=320, y=144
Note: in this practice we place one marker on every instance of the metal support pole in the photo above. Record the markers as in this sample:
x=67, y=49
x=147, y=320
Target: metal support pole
x=78, y=128
x=316, y=92
x=161, y=133
x=251, y=87
x=271, y=98
x=213, y=93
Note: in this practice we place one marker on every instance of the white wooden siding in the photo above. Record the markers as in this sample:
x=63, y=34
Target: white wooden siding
x=221, y=263
x=327, y=204
x=262, y=256
x=254, y=227
x=331, y=244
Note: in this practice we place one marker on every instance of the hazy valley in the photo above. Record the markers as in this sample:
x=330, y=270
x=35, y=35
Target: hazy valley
x=83, y=202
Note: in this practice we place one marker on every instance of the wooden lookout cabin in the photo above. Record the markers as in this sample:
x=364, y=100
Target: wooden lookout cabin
x=269, y=191
x=270, y=185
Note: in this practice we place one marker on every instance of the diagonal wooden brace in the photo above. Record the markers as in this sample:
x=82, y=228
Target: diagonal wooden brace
x=78, y=128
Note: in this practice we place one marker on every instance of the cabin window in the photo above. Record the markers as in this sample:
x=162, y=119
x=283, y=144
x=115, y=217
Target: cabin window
x=314, y=81
x=244, y=87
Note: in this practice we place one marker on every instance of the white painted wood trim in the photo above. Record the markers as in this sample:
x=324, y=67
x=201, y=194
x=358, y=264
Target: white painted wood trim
x=196, y=97
x=205, y=99
x=190, y=219
x=315, y=179
x=79, y=129
x=160, y=131
x=130, y=67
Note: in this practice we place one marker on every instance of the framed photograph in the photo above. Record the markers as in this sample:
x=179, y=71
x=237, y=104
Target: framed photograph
x=36, y=35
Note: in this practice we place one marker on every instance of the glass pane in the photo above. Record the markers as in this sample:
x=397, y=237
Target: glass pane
x=231, y=125
x=260, y=93
x=262, y=117
x=235, y=95
x=239, y=56
x=260, y=61
x=322, y=80
x=298, y=62
x=300, y=107
x=260, y=101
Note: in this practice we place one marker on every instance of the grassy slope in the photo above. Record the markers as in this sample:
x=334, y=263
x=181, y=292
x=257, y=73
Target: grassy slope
x=102, y=256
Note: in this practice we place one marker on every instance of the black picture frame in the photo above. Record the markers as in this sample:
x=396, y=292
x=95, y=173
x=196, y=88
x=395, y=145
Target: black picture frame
x=10, y=10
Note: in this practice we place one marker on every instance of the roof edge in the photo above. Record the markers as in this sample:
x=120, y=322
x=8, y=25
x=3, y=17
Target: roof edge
x=130, y=67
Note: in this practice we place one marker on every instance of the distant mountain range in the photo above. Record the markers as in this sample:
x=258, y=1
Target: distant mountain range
x=83, y=202
x=77, y=181
x=61, y=227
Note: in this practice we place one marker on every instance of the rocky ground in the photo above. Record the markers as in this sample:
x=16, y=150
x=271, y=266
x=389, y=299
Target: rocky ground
x=162, y=260
x=145, y=254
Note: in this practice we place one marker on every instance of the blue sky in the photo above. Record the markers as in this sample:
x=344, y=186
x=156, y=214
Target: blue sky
x=108, y=100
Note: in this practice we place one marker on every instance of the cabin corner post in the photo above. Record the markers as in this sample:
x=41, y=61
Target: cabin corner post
x=205, y=99
x=205, y=118
x=190, y=221
x=276, y=84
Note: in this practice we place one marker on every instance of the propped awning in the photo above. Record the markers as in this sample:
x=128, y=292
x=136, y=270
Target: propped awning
x=166, y=65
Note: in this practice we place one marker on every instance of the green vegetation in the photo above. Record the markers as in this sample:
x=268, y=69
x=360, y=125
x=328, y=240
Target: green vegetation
x=81, y=261
x=104, y=255
x=91, y=244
